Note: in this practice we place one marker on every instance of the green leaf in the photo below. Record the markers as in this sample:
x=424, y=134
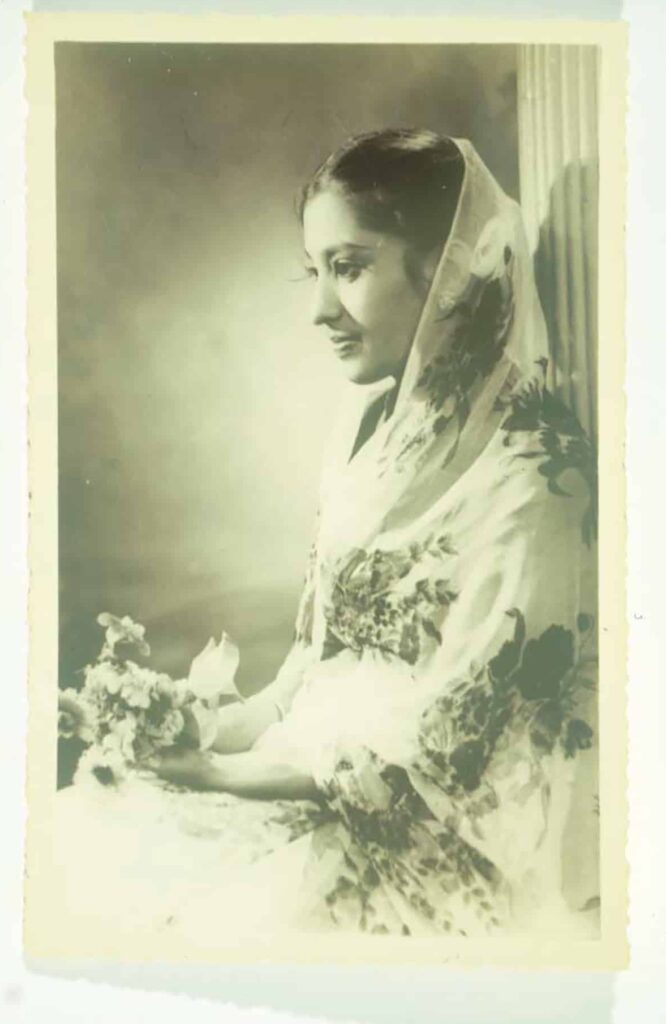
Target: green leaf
x=545, y=662
x=409, y=643
x=332, y=645
x=443, y=593
x=430, y=628
x=445, y=544
x=554, y=487
x=578, y=736
x=546, y=725
x=506, y=660
x=468, y=761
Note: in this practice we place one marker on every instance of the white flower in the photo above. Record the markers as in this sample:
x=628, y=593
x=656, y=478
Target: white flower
x=100, y=766
x=180, y=692
x=102, y=679
x=167, y=691
x=120, y=741
x=74, y=718
x=136, y=686
x=122, y=631
x=170, y=729
x=212, y=672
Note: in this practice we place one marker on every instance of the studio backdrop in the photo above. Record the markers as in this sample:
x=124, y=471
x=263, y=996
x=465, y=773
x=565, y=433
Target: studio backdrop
x=189, y=447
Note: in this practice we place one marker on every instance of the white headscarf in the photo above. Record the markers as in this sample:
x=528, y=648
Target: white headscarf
x=480, y=330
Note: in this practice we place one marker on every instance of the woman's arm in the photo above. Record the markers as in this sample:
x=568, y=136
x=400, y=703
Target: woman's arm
x=253, y=774
x=250, y=774
x=240, y=725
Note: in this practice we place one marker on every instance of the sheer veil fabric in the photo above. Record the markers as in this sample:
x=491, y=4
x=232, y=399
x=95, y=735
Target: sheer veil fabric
x=440, y=688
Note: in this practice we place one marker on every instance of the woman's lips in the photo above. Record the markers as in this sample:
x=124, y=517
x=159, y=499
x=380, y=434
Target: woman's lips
x=345, y=345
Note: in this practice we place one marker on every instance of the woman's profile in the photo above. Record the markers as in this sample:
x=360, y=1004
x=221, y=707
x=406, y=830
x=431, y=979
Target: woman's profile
x=411, y=770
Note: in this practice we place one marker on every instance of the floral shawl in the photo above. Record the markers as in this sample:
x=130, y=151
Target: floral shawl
x=440, y=688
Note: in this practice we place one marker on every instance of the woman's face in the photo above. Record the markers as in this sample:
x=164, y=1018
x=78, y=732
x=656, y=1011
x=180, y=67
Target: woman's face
x=363, y=295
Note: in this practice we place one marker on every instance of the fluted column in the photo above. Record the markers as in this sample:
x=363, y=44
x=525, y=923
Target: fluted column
x=557, y=110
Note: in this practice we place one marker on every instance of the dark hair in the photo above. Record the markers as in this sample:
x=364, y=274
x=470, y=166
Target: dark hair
x=401, y=181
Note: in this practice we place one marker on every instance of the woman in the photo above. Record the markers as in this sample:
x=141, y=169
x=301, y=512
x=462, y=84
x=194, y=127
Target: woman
x=412, y=766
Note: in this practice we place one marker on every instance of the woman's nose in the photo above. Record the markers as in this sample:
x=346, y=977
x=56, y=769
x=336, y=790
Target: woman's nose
x=326, y=305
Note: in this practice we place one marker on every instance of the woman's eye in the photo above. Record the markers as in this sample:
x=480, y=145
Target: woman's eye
x=347, y=270
x=311, y=271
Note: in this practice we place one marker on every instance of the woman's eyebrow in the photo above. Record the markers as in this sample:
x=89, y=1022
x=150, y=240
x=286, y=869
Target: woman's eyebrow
x=331, y=250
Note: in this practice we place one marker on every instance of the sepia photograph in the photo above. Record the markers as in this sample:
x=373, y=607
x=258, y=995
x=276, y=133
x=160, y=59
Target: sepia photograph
x=316, y=574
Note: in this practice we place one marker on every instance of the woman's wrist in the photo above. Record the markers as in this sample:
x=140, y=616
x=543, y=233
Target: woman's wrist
x=213, y=775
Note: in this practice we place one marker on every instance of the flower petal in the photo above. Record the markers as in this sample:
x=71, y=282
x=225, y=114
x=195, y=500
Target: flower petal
x=212, y=672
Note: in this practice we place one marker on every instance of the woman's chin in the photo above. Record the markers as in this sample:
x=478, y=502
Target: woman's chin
x=358, y=372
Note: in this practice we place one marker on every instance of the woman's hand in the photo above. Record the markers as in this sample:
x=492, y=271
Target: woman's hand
x=250, y=774
x=240, y=725
x=190, y=735
x=185, y=767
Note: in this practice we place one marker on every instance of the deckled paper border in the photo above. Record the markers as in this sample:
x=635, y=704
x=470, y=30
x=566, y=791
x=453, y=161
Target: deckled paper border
x=47, y=938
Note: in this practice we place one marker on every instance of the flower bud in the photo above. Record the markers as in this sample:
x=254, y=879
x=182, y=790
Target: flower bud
x=212, y=672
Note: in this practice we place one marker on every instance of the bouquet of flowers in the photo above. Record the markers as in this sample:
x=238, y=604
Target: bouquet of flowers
x=126, y=713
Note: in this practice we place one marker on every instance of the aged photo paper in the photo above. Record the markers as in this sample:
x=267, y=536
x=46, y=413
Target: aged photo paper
x=327, y=601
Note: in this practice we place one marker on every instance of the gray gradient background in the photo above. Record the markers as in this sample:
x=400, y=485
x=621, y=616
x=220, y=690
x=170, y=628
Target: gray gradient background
x=194, y=394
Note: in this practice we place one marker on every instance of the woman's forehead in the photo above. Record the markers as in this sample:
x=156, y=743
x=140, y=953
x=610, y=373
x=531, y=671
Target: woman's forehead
x=330, y=223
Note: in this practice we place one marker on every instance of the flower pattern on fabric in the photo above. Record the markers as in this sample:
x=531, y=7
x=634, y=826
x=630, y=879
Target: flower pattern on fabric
x=400, y=854
x=476, y=329
x=398, y=849
x=380, y=599
x=562, y=442
x=531, y=686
